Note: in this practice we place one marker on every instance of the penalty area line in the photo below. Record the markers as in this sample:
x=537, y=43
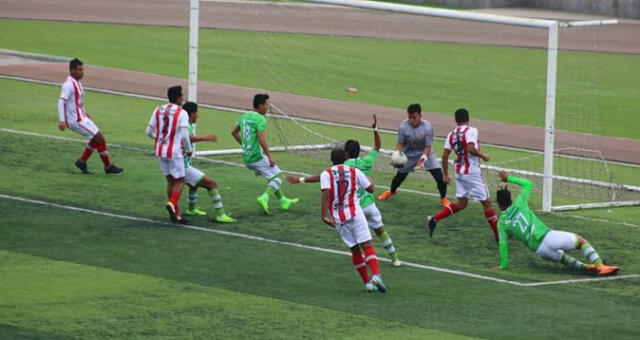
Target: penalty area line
x=303, y=246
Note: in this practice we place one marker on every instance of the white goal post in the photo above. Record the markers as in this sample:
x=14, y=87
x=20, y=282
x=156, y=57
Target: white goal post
x=552, y=26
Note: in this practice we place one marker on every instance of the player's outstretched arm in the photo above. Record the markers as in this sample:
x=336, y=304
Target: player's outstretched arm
x=504, y=248
x=207, y=138
x=308, y=179
x=377, y=142
x=526, y=187
x=236, y=134
x=445, y=166
x=471, y=148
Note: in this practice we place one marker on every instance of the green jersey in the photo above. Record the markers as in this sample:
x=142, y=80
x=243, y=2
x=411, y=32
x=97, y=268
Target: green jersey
x=364, y=164
x=520, y=222
x=187, y=159
x=250, y=123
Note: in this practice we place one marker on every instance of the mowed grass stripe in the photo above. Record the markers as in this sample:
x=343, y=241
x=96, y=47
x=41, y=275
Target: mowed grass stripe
x=70, y=299
x=495, y=83
x=416, y=298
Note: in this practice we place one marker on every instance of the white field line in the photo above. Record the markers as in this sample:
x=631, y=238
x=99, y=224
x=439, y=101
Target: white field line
x=307, y=120
x=298, y=173
x=313, y=248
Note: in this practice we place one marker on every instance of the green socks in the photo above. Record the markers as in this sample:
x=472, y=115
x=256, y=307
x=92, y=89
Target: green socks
x=387, y=243
x=217, y=201
x=193, y=198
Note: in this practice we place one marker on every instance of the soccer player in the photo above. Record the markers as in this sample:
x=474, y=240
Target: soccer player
x=366, y=199
x=339, y=210
x=519, y=221
x=249, y=132
x=72, y=115
x=415, y=138
x=463, y=141
x=168, y=126
x=197, y=179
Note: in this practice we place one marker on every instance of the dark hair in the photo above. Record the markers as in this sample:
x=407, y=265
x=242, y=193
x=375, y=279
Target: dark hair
x=174, y=92
x=259, y=99
x=338, y=156
x=414, y=108
x=190, y=107
x=462, y=115
x=352, y=147
x=74, y=63
x=503, y=197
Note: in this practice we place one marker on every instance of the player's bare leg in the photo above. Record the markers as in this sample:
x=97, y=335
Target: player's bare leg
x=447, y=211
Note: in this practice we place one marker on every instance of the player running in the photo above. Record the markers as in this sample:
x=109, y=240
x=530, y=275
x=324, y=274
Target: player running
x=197, y=179
x=366, y=199
x=72, y=115
x=415, y=138
x=249, y=132
x=519, y=221
x=463, y=141
x=168, y=126
x=339, y=185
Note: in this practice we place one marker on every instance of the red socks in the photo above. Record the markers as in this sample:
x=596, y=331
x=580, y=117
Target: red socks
x=492, y=219
x=446, y=212
x=372, y=260
x=104, y=155
x=358, y=263
x=175, y=197
x=89, y=149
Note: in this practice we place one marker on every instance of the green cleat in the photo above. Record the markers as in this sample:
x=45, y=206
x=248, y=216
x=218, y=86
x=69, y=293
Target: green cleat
x=264, y=204
x=224, y=219
x=286, y=203
x=195, y=212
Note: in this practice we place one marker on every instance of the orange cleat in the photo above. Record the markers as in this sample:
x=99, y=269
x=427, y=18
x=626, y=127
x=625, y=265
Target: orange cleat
x=445, y=202
x=607, y=270
x=385, y=195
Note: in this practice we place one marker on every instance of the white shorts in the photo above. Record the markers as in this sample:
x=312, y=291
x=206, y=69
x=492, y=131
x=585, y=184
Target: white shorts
x=85, y=127
x=354, y=231
x=373, y=216
x=555, y=243
x=471, y=186
x=262, y=168
x=193, y=176
x=173, y=167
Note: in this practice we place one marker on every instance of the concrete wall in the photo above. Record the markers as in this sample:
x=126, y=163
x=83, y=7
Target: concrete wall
x=618, y=8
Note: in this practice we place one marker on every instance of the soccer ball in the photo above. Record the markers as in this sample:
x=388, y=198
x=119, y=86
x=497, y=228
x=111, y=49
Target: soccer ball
x=398, y=159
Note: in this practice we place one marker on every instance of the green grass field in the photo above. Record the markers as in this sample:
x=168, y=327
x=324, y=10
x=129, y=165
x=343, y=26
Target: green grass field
x=72, y=274
x=596, y=91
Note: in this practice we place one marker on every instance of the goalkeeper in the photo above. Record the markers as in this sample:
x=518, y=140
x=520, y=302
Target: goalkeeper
x=367, y=201
x=519, y=221
x=415, y=138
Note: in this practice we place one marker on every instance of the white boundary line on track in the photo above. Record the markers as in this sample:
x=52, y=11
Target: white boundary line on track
x=313, y=248
x=218, y=161
x=306, y=120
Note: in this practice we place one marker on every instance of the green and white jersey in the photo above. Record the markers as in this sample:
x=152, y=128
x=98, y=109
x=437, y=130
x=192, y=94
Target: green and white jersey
x=250, y=123
x=364, y=164
x=187, y=159
x=520, y=222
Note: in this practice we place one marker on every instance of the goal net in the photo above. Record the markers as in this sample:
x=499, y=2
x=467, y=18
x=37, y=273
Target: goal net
x=328, y=68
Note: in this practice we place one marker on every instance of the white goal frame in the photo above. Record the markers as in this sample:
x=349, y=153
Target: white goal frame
x=552, y=27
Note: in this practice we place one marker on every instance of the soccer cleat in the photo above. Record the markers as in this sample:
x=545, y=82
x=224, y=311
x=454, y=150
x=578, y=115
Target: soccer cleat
x=396, y=263
x=369, y=287
x=385, y=195
x=182, y=220
x=112, y=169
x=445, y=202
x=82, y=166
x=195, y=212
x=592, y=268
x=264, y=204
x=607, y=270
x=431, y=225
x=377, y=282
x=224, y=219
x=286, y=203
x=172, y=212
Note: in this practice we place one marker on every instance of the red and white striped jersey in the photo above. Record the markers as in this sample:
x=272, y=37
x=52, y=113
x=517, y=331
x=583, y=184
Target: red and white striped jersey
x=166, y=121
x=457, y=141
x=343, y=183
x=73, y=96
